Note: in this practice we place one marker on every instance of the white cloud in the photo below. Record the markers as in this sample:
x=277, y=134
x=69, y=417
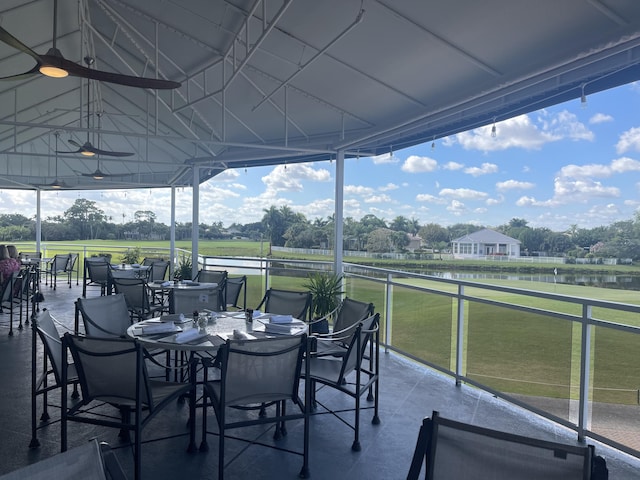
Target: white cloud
x=426, y=197
x=495, y=201
x=385, y=158
x=388, y=187
x=378, y=199
x=485, y=169
x=522, y=132
x=463, y=193
x=416, y=164
x=514, y=185
x=357, y=190
x=453, y=166
x=617, y=166
x=288, y=178
x=456, y=208
x=600, y=118
x=629, y=140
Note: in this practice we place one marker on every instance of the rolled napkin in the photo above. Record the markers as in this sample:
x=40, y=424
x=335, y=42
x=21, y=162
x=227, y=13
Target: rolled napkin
x=189, y=335
x=238, y=335
x=165, y=284
x=281, y=319
x=161, y=327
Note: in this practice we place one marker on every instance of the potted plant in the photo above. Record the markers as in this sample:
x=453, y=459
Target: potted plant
x=326, y=289
x=183, y=272
x=131, y=256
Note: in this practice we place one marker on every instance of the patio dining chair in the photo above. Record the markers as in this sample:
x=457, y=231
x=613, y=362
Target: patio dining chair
x=452, y=450
x=113, y=371
x=57, y=266
x=96, y=273
x=264, y=372
x=72, y=266
x=234, y=286
x=138, y=297
x=48, y=376
x=346, y=316
x=105, y=316
x=349, y=375
x=287, y=302
x=187, y=300
x=158, y=270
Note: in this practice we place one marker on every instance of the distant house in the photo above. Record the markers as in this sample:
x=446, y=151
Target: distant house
x=415, y=242
x=485, y=242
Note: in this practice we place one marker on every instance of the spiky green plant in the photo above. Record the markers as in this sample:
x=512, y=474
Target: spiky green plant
x=326, y=289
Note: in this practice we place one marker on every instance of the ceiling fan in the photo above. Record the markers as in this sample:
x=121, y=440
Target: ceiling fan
x=100, y=175
x=57, y=184
x=53, y=64
x=88, y=149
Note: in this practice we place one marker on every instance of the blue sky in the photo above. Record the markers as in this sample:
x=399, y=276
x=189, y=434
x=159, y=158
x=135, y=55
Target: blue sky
x=565, y=165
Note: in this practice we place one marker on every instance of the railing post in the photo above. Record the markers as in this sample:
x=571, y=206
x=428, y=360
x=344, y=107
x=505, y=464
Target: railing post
x=460, y=336
x=585, y=372
x=387, y=314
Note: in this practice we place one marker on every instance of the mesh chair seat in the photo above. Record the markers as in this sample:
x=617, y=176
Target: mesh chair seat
x=57, y=266
x=186, y=300
x=234, y=286
x=262, y=371
x=114, y=371
x=137, y=296
x=287, y=302
x=96, y=273
x=339, y=375
x=455, y=450
x=49, y=377
x=106, y=316
x=349, y=313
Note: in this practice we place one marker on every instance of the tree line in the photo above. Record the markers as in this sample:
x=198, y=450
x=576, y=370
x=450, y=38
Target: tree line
x=281, y=226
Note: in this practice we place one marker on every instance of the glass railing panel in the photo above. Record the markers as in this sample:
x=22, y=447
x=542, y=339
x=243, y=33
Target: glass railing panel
x=615, y=398
x=423, y=326
x=526, y=355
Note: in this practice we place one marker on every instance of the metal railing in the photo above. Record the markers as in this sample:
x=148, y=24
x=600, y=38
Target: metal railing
x=570, y=359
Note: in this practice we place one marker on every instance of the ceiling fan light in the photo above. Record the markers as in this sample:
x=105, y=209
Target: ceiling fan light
x=98, y=176
x=53, y=71
x=56, y=185
x=87, y=153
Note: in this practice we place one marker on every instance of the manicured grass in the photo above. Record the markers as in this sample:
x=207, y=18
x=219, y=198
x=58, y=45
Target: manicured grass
x=511, y=351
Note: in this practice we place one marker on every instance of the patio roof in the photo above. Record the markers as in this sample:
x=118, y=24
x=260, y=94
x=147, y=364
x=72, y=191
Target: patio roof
x=283, y=81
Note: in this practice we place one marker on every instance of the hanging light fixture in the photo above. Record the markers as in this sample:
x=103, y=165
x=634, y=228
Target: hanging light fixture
x=57, y=184
x=494, y=131
x=583, y=98
x=433, y=143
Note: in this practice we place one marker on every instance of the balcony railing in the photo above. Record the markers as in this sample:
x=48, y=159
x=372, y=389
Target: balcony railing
x=573, y=360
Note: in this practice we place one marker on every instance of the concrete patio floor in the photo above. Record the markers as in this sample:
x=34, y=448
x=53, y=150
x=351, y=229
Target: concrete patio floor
x=408, y=392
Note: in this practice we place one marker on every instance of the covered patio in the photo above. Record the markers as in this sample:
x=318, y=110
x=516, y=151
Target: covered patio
x=409, y=392
x=276, y=82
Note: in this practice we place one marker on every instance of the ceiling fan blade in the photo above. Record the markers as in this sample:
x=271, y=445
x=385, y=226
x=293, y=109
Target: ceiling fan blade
x=23, y=75
x=12, y=41
x=108, y=153
x=73, y=151
x=129, y=80
x=75, y=144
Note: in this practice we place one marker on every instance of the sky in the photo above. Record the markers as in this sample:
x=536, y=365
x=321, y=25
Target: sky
x=571, y=164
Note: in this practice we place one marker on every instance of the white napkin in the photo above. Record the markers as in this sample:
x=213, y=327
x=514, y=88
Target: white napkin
x=162, y=327
x=189, y=335
x=281, y=319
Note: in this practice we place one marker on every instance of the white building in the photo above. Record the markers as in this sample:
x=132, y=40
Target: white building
x=485, y=242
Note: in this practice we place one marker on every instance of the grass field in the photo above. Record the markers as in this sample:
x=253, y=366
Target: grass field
x=511, y=351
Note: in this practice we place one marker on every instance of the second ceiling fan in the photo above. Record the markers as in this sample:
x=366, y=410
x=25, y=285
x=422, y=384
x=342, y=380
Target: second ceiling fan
x=87, y=149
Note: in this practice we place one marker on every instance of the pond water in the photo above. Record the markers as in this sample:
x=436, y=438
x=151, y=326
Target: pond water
x=621, y=282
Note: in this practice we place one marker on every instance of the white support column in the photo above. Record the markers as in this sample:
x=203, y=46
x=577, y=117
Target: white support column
x=195, y=222
x=172, y=234
x=38, y=222
x=339, y=214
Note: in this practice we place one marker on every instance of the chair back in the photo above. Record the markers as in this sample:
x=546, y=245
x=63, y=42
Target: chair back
x=351, y=312
x=136, y=293
x=212, y=276
x=148, y=261
x=50, y=337
x=261, y=371
x=110, y=370
x=287, y=302
x=455, y=450
x=71, y=262
x=59, y=262
x=158, y=270
x=356, y=350
x=106, y=316
x=233, y=288
x=13, y=251
x=97, y=269
x=186, y=300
